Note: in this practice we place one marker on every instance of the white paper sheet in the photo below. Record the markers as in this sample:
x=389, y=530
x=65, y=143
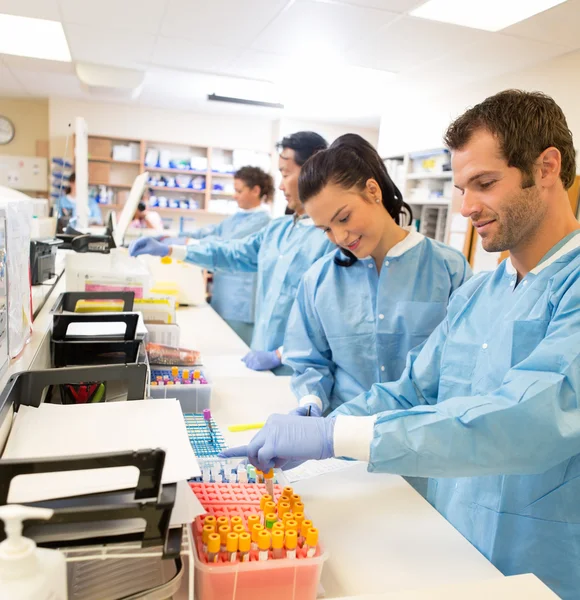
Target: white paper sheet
x=313, y=468
x=54, y=430
x=91, y=329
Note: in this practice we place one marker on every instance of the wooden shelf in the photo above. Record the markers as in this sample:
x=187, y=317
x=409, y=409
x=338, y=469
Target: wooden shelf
x=114, y=162
x=228, y=175
x=112, y=185
x=174, y=171
x=218, y=193
x=163, y=188
x=168, y=209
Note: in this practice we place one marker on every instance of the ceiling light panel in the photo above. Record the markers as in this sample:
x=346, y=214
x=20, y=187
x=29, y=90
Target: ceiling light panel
x=35, y=38
x=494, y=15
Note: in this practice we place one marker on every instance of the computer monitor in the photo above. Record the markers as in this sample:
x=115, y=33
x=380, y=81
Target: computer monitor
x=128, y=212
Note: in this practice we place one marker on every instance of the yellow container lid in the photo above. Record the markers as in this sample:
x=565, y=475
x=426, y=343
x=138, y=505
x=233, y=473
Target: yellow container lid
x=244, y=542
x=306, y=525
x=288, y=491
x=223, y=531
x=312, y=537
x=258, y=528
x=253, y=520
x=291, y=524
x=222, y=521
x=232, y=542
x=277, y=539
x=239, y=529
x=236, y=520
x=264, y=540
x=269, y=507
x=213, y=543
x=265, y=498
x=210, y=520
x=299, y=517
x=298, y=507
x=283, y=508
x=291, y=540
x=206, y=532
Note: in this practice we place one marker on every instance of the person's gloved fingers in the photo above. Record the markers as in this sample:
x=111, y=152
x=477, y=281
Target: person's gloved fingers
x=291, y=464
x=266, y=455
x=245, y=358
x=134, y=247
x=299, y=411
x=237, y=451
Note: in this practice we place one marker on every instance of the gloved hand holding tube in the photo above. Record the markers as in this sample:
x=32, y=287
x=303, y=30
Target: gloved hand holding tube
x=286, y=441
x=148, y=246
x=259, y=360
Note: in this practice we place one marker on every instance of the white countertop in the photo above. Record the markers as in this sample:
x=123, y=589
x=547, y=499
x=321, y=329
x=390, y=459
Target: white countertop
x=379, y=532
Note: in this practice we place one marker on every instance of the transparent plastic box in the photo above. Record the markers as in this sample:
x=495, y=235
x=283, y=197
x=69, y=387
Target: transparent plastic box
x=193, y=398
x=278, y=579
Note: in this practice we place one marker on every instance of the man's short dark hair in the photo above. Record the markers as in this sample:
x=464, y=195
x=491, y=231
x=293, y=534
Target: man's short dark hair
x=141, y=206
x=525, y=124
x=304, y=143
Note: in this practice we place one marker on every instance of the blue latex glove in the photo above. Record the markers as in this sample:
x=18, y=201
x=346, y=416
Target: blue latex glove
x=172, y=241
x=302, y=411
x=285, y=441
x=260, y=360
x=148, y=246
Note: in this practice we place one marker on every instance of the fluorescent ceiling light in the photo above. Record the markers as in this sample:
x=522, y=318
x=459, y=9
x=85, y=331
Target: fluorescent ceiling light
x=34, y=38
x=492, y=15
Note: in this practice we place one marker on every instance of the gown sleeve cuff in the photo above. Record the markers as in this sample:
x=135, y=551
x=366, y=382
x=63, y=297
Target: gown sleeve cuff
x=311, y=399
x=353, y=436
x=179, y=252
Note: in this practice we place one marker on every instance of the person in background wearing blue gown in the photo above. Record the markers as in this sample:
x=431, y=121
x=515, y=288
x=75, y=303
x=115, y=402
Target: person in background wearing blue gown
x=233, y=294
x=488, y=406
x=360, y=309
x=67, y=204
x=280, y=254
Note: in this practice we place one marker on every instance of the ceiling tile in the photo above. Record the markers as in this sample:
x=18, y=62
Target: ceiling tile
x=108, y=46
x=178, y=53
x=134, y=15
x=37, y=9
x=223, y=22
x=37, y=65
x=398, y=6
x=259, y=65
x=9, y=85
x=50, y=84
x=334, y=27
x=408, y=42
x=559, y=25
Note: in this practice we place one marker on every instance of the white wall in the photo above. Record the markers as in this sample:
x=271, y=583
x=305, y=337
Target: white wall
x=328, y=131
x=161, y=125
x=420, y=125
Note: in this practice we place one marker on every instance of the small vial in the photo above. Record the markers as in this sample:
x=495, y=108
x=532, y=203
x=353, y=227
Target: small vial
x=210, y=520
x=269, y=481
x=154, y=383
x=185, y=374
x=239, y=529
x=263, y=545
x=232, y=547
x=283, y=508
x=213, y=548
x=306, y=525
x=159, y=378
x=291, y=524
x=221, y=521
x=205, y=533
x=299, y=517
x=258, y=528
x=206, y=476
x=252, y=521
x=277, y=544
x=174, y=372
x=244, y=543
x=269, y=507
x=236, y=520
x=293, y=499
x=284, y=498
x=251, y=474
x=278, y=526
x=196, y=374
x=265, y=498
x=288, y=491
x=223, y=531
x=287, y=517
x=259, y=476
x=269, y=520
x=298, y=507
x=242, y=474
x=311, y=542
x=290, y=543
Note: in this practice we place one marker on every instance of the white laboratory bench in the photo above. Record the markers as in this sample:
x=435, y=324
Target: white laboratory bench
x=381, y=535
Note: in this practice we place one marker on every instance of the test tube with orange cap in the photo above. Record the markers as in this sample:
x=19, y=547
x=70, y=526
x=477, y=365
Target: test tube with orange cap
x=238, y=529
x=288, y=491
x=298, y=517
x=277, y=544
x=252, y=520
x=306, y=525
x=244, y=543
x=269, y=520
x=263, y=545
x=205, y=533
x=290, y=543
x=258, y=528
x=283, y=508
x=223, y=532
x=265, y=498
x=284, y=498
x=291, y=524
x=236, y=520
x=278, y=526
x=311, y=542
x=295, y=498
x=269, y=481
x=232, y=547
x=269, y=507
x=298, y=507
x=287, y=517
x=210, y=520
x=213, y=547
x=221, y=521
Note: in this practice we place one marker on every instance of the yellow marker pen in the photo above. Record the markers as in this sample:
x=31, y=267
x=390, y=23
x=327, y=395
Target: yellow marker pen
x=291, y=542
x=277, y=544
x=213, y=547
x=245, y=427
x=244, y=543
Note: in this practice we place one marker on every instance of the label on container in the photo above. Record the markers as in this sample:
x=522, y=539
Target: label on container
x=263, y=555
x=246, y=557
x=291, y=553
x=311, y=552
x=233, y=557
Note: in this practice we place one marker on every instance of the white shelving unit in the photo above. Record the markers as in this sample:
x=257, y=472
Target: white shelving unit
x=426, y=182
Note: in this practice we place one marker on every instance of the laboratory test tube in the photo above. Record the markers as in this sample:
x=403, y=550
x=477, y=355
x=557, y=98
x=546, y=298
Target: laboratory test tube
x=288, y=491
x=213, y=548
x=210, y=520
x=185, y=374
x=236, y=520
x=263, y=499
x=277, y=544
x=269, y=520
x=205, y=533
x=223, y=531
x=252, y=520
x=278, y=526
x=244, y=543
x=283, y=509
x=174, y=372
x=293, y=499
x=242, y=474
x=291, y=524
x=239, y=529
x=258, y=528
x=269, y=481
x=298, y=507
x=291, y=542
x=306, y=525
x=232, y=547
x=259, y=476
x=284, y=498
x=287, y=517
x=299, y=517
x=221, y=521
x=311, y=542
x=269, y=507
x=263, y=545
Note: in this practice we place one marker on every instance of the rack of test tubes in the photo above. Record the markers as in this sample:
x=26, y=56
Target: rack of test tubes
x=254, y=545
x=205, y=437
x=191, y=387
x=229, y=470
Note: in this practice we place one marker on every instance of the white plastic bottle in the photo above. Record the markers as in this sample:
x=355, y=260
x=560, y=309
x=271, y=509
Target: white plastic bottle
x=28, y=572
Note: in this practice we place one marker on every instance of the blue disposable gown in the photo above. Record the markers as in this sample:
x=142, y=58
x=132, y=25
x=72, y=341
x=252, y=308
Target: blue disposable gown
x=280, y=253
x=351, y=327
x=490, y=405
x=233, y=294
